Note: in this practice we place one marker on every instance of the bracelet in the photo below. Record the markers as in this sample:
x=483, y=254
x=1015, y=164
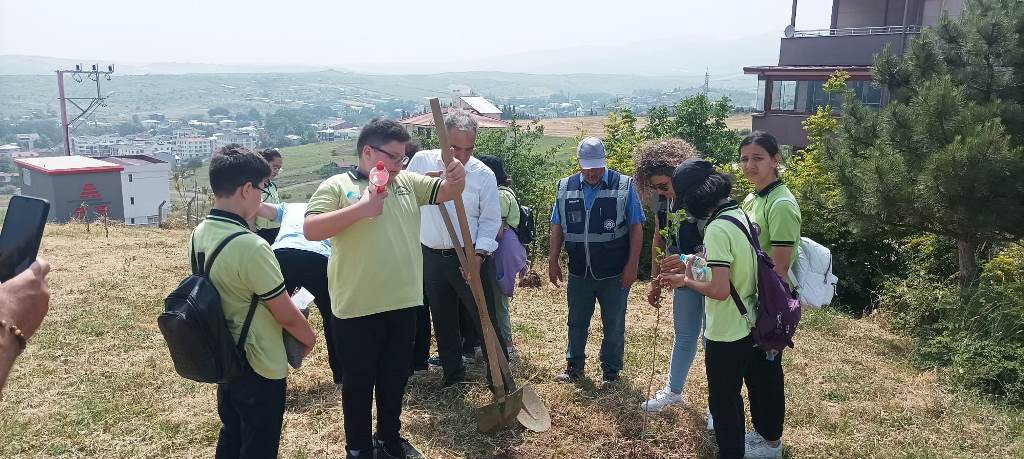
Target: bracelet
x=22, y=341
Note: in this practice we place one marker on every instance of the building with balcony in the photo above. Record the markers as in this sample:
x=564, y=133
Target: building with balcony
x=791, y=91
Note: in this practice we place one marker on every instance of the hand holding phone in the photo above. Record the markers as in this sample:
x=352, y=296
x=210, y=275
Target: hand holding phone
x=21, y=235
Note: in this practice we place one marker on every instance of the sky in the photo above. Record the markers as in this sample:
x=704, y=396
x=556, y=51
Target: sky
x=348, y=34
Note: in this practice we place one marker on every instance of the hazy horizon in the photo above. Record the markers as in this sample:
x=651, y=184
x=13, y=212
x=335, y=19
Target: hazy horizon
x=312, y=35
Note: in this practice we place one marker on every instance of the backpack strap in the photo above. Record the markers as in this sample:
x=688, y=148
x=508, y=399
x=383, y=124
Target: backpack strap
x=252, y=303
x=732, y=288
x=192, y=254
x=750, y=238
x=248, y=322
x=216, y=250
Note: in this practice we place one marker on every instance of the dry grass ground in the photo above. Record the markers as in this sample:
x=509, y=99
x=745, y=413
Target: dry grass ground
x=594, y=125
x=97, y=382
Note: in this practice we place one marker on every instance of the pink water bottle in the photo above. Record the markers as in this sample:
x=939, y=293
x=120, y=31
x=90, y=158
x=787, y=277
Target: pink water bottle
x=379, y=177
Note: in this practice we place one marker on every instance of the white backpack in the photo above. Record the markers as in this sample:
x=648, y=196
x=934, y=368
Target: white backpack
x=813, y=272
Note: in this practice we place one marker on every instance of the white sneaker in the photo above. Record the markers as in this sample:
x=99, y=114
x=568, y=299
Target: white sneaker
x=753, y=440
x=711, y=421
x=764, y=450
x=662, y=398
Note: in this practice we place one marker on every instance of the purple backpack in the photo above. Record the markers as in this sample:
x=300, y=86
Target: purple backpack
x=778, y=313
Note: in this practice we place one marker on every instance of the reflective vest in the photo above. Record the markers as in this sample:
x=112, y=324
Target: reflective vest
x=597, y=240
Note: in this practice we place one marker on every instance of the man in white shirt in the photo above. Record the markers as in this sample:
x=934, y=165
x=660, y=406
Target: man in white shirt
x=443, y=284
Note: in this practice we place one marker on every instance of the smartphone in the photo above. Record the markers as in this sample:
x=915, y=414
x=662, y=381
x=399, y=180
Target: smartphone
x=21, y=235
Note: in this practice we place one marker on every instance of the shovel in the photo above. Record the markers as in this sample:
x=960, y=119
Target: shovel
x=508, y=406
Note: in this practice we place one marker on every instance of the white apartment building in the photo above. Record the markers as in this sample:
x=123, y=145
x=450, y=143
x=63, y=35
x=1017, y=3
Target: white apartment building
x=194, y=147
x=145, y=184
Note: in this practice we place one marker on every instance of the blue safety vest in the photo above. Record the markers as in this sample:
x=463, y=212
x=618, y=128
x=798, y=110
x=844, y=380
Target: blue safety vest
x=597, y=240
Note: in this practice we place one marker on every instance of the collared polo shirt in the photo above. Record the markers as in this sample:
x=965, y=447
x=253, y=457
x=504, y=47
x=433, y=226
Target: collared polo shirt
x=728, y=247
x=245, y=266
x=376, y=264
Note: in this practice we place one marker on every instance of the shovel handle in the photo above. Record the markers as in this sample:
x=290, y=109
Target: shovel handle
x=470, y=263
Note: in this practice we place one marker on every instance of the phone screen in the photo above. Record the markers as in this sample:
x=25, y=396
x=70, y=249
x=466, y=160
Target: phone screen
x=21, y=235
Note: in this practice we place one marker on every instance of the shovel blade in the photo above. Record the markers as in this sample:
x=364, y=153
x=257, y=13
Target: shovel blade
x=534, y=415
x=500, y=414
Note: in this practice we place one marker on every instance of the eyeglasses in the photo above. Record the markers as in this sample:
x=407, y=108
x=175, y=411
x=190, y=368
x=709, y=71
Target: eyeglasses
x=401, y=160
x=659, y=186
x=262, y=187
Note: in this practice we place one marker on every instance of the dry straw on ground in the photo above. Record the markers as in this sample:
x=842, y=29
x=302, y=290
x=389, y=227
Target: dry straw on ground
x=97, y=382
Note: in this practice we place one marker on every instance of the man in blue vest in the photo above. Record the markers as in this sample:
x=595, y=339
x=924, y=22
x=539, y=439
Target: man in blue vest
x=598, y=216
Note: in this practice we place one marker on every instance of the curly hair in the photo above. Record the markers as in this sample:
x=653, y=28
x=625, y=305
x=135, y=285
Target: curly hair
x=660, y=157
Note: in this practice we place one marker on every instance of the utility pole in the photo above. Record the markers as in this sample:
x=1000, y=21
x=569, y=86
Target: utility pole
x=707, y=81
x=91, y=103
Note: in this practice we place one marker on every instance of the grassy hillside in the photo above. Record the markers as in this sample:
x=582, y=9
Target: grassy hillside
x=97, y=382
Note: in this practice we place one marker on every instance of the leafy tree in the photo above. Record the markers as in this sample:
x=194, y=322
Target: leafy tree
x=945, y=155
x=620, y=140
x=701, y=121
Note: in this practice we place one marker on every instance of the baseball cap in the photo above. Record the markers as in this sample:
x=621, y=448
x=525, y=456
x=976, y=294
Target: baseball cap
x=591, y=153
x=687, y=176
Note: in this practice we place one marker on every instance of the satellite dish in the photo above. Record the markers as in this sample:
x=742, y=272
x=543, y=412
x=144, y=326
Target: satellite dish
x=789, y=32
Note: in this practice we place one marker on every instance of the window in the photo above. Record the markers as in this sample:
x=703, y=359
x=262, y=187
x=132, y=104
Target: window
x=129, y=178
x=133, y=221
x=784, y=96
x=759, y=101
x=132, y=199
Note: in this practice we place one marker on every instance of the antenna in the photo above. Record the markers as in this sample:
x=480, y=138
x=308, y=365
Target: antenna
x=91, y=103
x=707, y=81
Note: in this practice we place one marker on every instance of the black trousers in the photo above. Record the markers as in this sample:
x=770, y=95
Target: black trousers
x=269, y=234
x=251, y=412
x=421, y=346
x=449, y=295
x=302, y=268
x=375, y=353
x=729, y=366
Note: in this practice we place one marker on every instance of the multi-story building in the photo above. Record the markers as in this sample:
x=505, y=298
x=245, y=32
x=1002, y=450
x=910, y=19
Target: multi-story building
x=247, y=138
x=188, y=148
x=791, y=91
x=145, y=193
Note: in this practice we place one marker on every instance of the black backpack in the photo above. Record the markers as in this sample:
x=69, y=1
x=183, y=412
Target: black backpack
x=527, y=229
x=194, y=327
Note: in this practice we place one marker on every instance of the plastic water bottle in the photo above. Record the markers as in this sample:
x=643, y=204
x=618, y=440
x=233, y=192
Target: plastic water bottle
x=379, y=177
x=698, y=267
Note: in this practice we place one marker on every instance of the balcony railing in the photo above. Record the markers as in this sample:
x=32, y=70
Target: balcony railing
x=852, y=31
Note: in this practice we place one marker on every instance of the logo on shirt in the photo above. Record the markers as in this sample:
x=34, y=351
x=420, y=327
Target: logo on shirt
x=401, y=190
x=609, y=224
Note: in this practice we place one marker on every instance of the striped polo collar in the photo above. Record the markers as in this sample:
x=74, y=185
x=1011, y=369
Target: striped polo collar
x=227, y=217
x=768, y=189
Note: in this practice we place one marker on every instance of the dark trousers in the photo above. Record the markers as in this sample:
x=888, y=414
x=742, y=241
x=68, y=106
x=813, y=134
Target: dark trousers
x=302, y=268
x=251, y=411
x=421, y=346
x=269, y=234
x=729, y=366
x=445, y=289
x=375, y=351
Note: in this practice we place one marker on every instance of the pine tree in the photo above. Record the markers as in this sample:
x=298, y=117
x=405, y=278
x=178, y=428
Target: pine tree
x=945, y=156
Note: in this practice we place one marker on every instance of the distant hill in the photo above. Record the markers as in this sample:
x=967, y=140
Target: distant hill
x=178, y=95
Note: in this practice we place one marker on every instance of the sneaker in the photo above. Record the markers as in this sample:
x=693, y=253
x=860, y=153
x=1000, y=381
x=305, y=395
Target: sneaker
x=711, y=422
x=610, y=380
x=753, y=439
x=764, y=451
x=434, y=361
x=662, y=399
x=359, y=454
x=571, y=374
x=401, y=449
x=512, y=356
